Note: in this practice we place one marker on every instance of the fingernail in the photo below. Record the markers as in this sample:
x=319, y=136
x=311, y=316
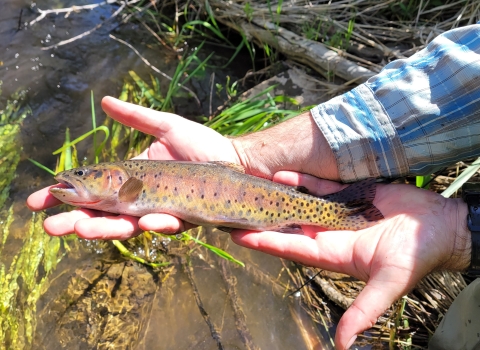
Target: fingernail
x=351, y=341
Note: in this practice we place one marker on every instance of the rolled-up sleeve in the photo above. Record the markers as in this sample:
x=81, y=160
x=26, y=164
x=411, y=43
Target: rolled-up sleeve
x=416, y=116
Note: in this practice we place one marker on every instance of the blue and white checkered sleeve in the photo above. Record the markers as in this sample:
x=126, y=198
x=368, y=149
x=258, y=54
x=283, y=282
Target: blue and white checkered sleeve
x=416, y=116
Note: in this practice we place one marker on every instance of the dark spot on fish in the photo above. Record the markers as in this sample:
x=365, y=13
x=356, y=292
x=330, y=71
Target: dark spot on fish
x=301, y=204
x=249, y=212
x=136, y=173
x=166, y=187
x=120, y=179
x=328, y=214
x=283, y=199
x=271, y=202
x=192, y=190
x=336, y=211
x=299, y=211
x=175, y=189
x=277, y=204
x=215, y=194
x=243, y=205
x=304, y=211
x=314, y=215
x=158, y=185
x=256, y=198
x=202, y=196
x=266, y=213
x=130, y=165
x=244, y=193
x=141, y=167
x=330, y=207
x=229, y=201
x=261, y=209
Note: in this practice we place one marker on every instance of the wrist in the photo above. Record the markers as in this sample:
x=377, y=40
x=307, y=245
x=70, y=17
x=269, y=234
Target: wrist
x=294, y=145
x=460, y=236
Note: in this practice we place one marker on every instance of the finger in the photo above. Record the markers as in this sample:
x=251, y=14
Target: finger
x=64, y=223
x=109, y=227
x=42, y=199
x=328, y=250
x=144, y=119
x=315, y=186
x=163, y=223
x=370, y=304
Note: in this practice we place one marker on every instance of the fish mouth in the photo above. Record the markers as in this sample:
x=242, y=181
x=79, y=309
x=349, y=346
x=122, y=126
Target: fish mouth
x=64, y=186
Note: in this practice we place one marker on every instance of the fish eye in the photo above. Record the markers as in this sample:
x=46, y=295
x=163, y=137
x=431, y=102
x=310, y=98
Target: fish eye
x=79, y=172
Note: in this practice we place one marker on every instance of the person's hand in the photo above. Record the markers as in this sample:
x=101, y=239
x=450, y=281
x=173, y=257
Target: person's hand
x=177, y=139
x=421, y=232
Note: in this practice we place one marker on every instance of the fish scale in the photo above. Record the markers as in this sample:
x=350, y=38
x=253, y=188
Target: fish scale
x=216, y=194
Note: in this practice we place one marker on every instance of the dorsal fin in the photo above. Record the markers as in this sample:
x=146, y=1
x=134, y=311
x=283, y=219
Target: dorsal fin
x=130, y=190
x=237, y=167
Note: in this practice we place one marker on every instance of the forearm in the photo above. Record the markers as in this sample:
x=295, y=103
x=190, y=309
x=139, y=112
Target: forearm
x=295, y=145
x=416, y=116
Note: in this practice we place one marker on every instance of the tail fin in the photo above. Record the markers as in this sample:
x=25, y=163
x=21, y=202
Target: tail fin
x=356, y=203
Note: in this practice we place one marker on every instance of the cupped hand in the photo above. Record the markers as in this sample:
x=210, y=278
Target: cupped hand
x=177, y=139
x=421, y=232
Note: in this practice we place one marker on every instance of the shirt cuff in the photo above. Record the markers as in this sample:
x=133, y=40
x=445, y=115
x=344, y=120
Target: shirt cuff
x=361, y=136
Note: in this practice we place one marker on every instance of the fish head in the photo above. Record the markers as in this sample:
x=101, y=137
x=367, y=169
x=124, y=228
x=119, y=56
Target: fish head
x=93, y=186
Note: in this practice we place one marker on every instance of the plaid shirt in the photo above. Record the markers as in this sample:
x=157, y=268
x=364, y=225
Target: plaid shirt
x=416, y=116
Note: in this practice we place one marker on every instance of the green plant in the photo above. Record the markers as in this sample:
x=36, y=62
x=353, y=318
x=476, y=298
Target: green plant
x=341, y=39
x=253, y=114
x=247, y=8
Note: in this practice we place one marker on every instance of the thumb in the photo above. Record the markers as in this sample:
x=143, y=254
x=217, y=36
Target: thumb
x=363, y=313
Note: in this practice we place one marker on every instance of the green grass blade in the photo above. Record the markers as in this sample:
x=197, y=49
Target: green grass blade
x=125, y=252
x=84, y=136
x=462, y=178
x=221, y=253
x=41, y=166
x=68, y=152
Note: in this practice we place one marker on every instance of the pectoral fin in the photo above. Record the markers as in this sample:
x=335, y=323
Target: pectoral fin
x=130, y=190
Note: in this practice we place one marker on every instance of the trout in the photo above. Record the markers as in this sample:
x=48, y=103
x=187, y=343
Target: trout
x=217, y=194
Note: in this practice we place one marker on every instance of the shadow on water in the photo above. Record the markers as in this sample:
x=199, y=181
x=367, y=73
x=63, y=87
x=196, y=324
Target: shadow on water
x=95, y=298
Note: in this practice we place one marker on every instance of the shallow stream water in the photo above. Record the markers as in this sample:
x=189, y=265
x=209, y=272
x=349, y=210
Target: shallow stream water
x=95, y=298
